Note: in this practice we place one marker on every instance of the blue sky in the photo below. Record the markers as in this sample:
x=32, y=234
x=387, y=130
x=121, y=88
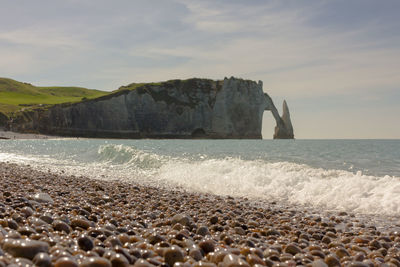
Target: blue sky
x=337, y=63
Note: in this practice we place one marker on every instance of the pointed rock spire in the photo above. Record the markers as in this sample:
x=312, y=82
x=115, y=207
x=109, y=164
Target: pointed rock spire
x=284, y=128
x=286, y=118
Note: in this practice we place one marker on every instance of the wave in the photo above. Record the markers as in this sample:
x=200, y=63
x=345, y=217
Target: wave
x=120, y=154
x=284, y=182
x=288, y=183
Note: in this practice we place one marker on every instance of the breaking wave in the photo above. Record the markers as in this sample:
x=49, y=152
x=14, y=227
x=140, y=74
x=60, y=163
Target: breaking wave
x=289, y=183
x=282, y=181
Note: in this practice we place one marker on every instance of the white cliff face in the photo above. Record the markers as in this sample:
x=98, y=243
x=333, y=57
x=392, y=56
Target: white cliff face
x=194, y=108
x=238, y=109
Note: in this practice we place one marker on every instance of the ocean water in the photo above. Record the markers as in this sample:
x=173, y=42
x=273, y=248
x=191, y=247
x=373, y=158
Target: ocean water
x=356, y=176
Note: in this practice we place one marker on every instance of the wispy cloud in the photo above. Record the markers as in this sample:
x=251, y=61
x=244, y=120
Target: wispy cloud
x=300, y=49
x=45, y=37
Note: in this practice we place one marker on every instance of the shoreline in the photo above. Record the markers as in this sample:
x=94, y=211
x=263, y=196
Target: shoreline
x=49, y=219
x=9, y=135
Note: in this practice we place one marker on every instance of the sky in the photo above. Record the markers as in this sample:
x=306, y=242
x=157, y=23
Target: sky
x=337, y=63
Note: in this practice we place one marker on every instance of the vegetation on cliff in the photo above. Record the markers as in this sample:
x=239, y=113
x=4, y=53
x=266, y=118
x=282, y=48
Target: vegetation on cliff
x=17, y=96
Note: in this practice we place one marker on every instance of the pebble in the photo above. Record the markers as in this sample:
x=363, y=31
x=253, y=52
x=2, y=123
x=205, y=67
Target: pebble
x=143, y=263
x=47, y=218
x=66, y=262
x=81, y=222
x=173, y=254
x=95, y=262
x=85, y=243
x=214, y=220
x=113, y=241
x=195, y=253
x=357, y=264
x=232, y=260
x=61, y=226
x=24, y=247
x=292, y=249
x=27, y=211
x=240, y=231
x=43, y=198
x=341, y=252
x=26, y=230
x=12, y=224
x=254, y=259
x=203, y=231
x=42, y=259
x=36, y=221
x=207, y=246
x=319, y=263
x=21, y=262
x=13, y=234
x=197, y=264
x=181, y=219
x=119, y=260
x=155, y=238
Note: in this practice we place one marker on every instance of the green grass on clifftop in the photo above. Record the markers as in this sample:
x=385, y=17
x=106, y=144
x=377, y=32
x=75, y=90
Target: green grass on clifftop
x=16, y=96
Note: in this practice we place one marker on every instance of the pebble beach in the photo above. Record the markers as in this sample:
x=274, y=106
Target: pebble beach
x=48, y=219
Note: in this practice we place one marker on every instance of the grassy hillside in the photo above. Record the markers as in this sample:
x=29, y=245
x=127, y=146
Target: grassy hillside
x=15, y=96
x=18, y=96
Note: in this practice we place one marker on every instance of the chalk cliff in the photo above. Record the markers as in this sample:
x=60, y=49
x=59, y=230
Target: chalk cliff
x=194, y=108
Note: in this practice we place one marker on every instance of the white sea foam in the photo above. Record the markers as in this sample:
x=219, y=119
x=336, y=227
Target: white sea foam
x=288, y=183
x=284, y=182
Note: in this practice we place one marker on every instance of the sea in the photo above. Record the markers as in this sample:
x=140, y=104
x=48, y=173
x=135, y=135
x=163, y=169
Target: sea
x=360, y=177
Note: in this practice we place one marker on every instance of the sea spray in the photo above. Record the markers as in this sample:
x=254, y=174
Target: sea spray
x=324, y=175
x=285, y=182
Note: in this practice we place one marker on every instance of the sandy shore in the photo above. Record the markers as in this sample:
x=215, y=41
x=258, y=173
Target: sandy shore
x=13, y=135
x=48, y=219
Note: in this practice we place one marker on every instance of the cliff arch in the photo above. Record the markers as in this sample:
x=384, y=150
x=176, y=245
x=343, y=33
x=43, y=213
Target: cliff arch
x=283, y=128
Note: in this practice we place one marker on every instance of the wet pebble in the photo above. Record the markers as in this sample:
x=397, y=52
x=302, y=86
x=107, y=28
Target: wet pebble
x=214, y=220
x=119, y=260
x=181, y=219
x=319, y=263
x=24, y=247
x=173, y=254
x=292, y=249
x=42, y=259
x=27, y=211
x=43, y=198
x=81, y=222
x=232, y=260
x=66, y=261
x=207, y=246
x=85, y=243
x=61, y=226
x=95, y=262
x=203, y=231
